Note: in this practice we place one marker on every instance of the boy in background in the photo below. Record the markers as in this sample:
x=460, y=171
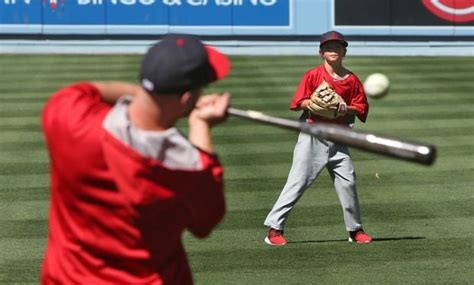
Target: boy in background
x=311, y=154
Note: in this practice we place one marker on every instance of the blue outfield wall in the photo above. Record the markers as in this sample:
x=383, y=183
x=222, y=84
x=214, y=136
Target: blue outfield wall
x=238, y=17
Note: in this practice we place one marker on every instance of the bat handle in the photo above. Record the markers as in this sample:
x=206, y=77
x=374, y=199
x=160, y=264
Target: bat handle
x=263, y=118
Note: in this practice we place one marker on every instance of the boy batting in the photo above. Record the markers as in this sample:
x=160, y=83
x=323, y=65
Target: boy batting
x=125, y=182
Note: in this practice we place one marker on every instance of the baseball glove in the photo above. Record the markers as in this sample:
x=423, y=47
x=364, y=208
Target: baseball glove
x=326, y=102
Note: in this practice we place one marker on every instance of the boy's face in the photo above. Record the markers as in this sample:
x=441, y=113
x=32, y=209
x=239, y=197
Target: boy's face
x=332, y=51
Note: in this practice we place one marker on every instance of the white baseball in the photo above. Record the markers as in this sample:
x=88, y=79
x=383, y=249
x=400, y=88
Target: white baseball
x=376, y=85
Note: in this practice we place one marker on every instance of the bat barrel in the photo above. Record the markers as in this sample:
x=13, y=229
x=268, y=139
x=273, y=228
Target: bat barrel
x=402, y=149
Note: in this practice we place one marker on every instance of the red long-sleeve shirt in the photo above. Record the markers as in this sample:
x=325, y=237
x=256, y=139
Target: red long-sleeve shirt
x=116, y=216
x=350, y=89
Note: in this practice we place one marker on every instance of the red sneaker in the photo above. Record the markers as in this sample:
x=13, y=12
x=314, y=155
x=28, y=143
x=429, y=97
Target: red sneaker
x=359, y=237
x=275, y=237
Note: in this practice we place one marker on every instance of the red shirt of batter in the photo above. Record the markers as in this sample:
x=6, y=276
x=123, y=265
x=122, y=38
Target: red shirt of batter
x=349, y=88
x=117, y=217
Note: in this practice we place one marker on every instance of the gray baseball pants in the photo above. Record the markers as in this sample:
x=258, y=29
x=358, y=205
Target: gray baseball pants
x=310, y=157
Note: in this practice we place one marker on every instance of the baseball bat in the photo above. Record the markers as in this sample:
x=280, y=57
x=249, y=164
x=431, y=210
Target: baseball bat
x=400, y=149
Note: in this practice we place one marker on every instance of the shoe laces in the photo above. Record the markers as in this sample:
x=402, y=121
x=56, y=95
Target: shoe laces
x=275, y=233
x=357, y=233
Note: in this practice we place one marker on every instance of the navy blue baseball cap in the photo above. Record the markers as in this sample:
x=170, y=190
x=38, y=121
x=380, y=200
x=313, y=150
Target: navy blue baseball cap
x=332, y=36
x=179, y=63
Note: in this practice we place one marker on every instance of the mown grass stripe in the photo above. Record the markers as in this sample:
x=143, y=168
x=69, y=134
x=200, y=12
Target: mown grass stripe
x=22, y=248
x=24, y=156
x=281, y=100
x=435, y=112
x=24, y=180
x=274, y=110
x=289, y=136
x=391, y=165
x=69, y=67
x=229, y=145
x=24, y=210
x=89, y=61
x=326, y=215
x=28, y=120
x=249, y=128
x=252, y=86
x=24, y=168
x=282, y=156
x=20, y=146
x=20, y=271
x=243, y=61
x=367, y=176
x=441, y=108
x=31, y=228
x=49, y=73
x=262, y=196
x=327, y=236
x=385, y=182
x=266, y=90
x=22, y=107
x=370, y=189
x=21, y=136
x=293, y=75
x=22, y=128
x=418, y=272
x=20, y=113
x=15, y=193
x=322, y=255
x=426, y=115
x=402, y=124
x=285, y=145
x=24, y=95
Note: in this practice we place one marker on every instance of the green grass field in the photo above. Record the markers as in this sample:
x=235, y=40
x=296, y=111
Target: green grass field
x=421, y=217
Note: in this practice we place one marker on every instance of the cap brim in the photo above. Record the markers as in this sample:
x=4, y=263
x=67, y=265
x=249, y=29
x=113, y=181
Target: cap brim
x=343, y=42
x=219, y=62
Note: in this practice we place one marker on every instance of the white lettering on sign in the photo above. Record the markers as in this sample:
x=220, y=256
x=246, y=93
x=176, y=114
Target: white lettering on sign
x=172, y=2
x=124, y=2
x=87, y=2
x=229, y=2
x=220, y=2
x=7, y=2
x=197, y=2
x=116, y=2
x=133, y=2
x=264, y=2
x=165, y=2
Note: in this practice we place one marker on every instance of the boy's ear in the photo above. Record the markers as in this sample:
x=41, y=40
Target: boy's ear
x=184, y=103
x=188, y=101
x=185, y=97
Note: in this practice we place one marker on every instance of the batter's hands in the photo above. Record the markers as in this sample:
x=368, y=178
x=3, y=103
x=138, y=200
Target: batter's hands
x=211, y=109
